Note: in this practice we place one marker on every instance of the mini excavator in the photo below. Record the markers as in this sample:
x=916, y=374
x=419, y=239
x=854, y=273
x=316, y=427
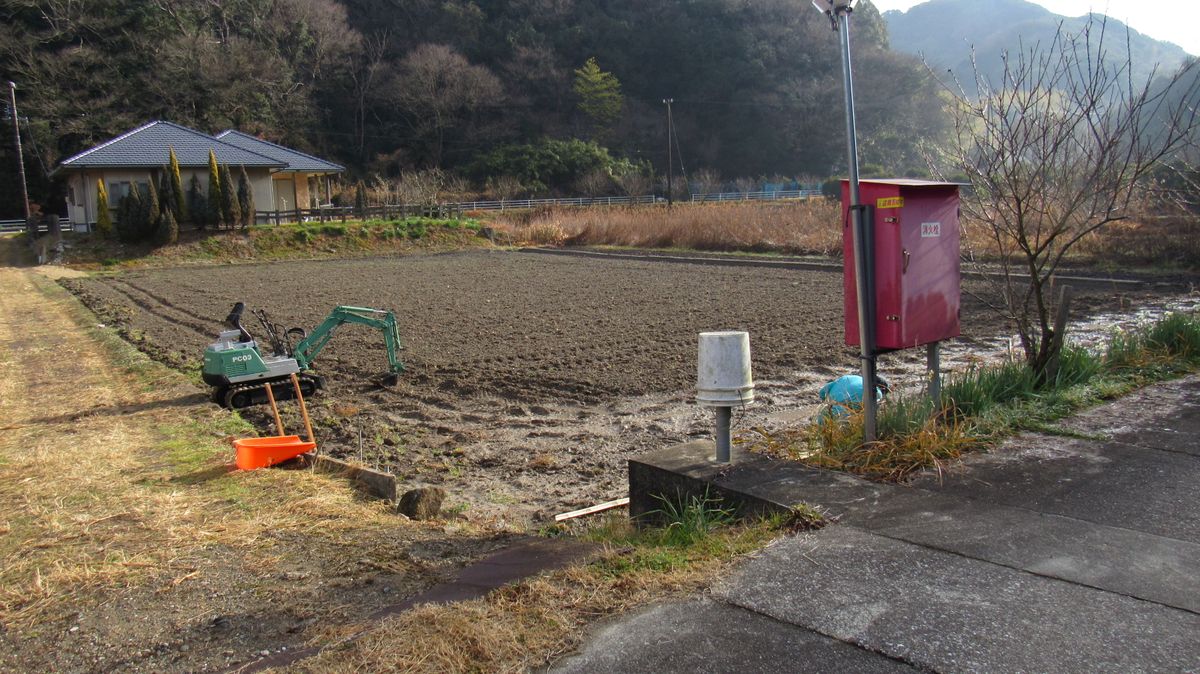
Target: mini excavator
x=238, y=370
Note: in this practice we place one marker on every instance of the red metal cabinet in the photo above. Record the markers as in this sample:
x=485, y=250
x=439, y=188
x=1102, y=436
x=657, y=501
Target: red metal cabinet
x=917, y=276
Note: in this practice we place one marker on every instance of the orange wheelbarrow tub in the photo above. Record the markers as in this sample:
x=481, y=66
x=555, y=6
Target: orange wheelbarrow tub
x=263, y=452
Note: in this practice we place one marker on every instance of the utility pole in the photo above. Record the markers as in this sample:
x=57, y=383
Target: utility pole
x=670, y=157
x=861, y=215
x=12, y=95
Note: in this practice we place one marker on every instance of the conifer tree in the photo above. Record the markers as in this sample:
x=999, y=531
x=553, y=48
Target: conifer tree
x=104, y=223
x=129, y=216
x=197, y=205
x=166, y=191
x=599, y=94
x=245, y=197
x=153, y=209
x=179, y=205
x=167, y=231
x=360, y=200
x=231, y=212
x=214, y=192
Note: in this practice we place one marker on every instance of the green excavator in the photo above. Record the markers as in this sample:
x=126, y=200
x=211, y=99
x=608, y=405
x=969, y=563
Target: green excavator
x=238, y=370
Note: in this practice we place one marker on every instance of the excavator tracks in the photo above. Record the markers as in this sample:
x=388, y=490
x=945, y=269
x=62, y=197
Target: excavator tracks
x=240, y=396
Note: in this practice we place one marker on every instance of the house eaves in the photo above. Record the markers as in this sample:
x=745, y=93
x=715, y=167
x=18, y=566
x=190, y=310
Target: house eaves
x=294, y=159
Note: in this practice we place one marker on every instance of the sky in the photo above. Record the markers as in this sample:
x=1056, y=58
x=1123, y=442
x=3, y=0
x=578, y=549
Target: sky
x=1175, y=21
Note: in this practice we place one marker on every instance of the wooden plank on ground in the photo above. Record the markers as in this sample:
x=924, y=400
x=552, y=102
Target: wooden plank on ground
x=590, y=510
x=375, y=482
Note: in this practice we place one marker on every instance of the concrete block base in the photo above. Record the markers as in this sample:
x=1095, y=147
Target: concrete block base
x=691, y=470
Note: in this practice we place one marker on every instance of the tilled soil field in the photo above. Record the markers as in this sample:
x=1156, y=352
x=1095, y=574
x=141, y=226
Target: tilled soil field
x=531, y=378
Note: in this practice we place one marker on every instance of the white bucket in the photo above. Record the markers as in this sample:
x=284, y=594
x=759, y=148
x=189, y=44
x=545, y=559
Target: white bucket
x=723, y=376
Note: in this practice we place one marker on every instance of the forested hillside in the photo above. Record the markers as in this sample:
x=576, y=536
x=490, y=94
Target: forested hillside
x=386, y=86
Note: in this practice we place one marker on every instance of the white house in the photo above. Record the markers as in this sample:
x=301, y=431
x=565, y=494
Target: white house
x=278, y=176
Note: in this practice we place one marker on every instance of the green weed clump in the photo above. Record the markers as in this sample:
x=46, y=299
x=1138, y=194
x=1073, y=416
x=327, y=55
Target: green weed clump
x=1165, y=348
x=984, y=404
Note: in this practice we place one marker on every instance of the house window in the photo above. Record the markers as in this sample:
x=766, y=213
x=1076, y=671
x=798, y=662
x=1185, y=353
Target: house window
x=116, y=192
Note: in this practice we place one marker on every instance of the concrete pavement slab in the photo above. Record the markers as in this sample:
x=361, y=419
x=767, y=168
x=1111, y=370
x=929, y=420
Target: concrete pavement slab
x=1165, y=416
x=706, y=636
x=1142, y=565
x=1107, y=483
x=947, y=613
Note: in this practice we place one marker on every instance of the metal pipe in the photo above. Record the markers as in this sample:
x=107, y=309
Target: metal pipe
x=724, y=446
x=933, y=359
x=12, y=94
x=863, y=260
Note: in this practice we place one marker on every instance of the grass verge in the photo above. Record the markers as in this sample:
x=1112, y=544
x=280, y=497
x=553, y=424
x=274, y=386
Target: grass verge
x=281, y=242
x=532, y=623
x=116, y=480
x=985, y=404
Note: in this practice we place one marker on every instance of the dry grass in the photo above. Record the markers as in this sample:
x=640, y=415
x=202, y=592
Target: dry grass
x=532, y=623
x=814, y=227
x=113, y=475
x=797, y=227
x=836, y=444
x=1145, y=239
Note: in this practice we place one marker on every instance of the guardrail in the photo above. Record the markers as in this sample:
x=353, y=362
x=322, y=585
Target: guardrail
x=776, y=195
x=510, y=204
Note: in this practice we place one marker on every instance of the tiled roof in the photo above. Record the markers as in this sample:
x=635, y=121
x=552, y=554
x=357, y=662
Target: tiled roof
x=147, y=146
x=295, y=160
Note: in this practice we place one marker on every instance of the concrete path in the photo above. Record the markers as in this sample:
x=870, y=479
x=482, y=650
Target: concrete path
x=1051, y=554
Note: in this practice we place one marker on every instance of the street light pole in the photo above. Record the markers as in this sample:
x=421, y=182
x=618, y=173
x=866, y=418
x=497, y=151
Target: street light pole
x=12, y=97
x=670, y=156
x=862, y=224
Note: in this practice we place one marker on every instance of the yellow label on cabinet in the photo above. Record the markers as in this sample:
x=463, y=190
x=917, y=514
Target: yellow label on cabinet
x=890, y=202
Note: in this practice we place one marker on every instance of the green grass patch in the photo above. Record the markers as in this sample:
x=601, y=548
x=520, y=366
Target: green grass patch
x=688, y=530
x=984, y=404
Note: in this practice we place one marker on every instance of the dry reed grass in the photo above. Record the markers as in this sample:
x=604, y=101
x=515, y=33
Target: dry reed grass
x=795, y=227
x=814, y=227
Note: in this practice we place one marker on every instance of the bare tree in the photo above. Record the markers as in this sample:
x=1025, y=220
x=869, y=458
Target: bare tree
x=635, y=183
x=439, y=90
x=420, y=187
x=746, y=184
x=1054, y=151
x=707, y=181
x=594, y=183
x=504, y=187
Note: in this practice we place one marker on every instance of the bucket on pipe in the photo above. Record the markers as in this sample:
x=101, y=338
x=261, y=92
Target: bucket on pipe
x=723, y=377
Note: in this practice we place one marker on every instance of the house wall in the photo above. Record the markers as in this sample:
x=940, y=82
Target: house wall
x=285, y=182
x=82, y=196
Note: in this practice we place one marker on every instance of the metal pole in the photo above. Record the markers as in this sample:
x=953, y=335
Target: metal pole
x=12, y=95
x=723, y=441
x=933, y=359
x=670, y=156
x=863, y=260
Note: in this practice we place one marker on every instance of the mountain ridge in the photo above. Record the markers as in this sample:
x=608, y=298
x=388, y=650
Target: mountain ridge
x=991, y=27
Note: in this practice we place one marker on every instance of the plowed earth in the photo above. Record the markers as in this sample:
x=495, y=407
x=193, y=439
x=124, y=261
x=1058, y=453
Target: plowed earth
x=531, y=378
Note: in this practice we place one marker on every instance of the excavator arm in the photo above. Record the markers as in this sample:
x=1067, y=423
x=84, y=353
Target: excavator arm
x=307, y=349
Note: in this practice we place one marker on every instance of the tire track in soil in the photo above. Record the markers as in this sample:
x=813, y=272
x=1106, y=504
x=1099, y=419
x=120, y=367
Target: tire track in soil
x=154, y=307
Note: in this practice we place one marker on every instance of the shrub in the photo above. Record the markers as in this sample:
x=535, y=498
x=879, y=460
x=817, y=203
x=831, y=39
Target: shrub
x=104, y=223
x=245, y=199
x=231, y=211
x=180, y=204
x=214, y=211
x=168, y=229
